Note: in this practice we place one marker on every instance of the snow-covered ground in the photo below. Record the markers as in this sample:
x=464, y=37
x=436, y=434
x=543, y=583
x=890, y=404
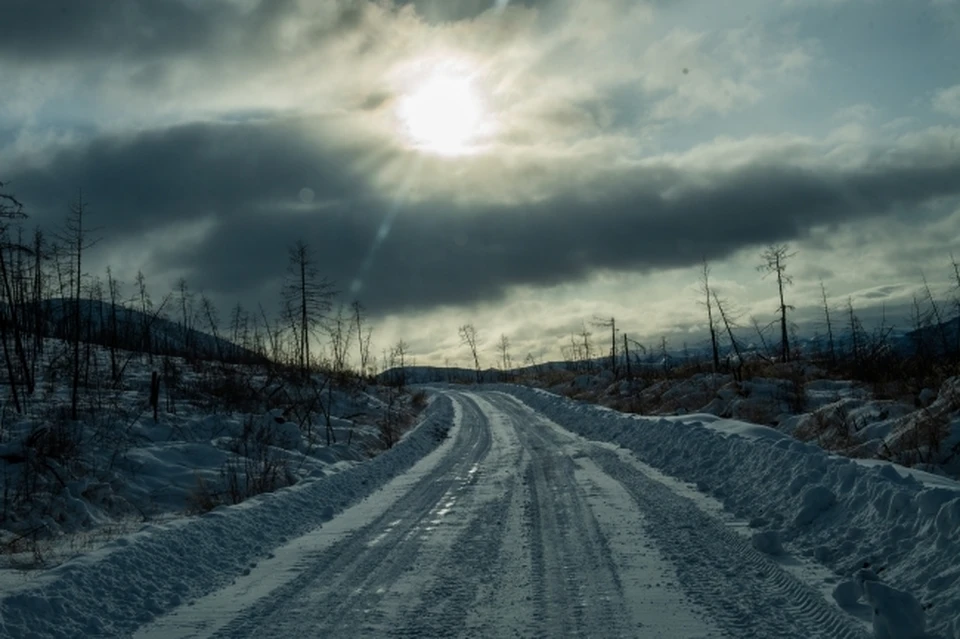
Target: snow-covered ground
x=128, y=582
x=539, y=516
x=918, y=428
x=849, y=516
x=223, y=433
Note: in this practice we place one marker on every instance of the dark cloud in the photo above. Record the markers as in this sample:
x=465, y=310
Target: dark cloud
x=150, y=30
x=249, y=177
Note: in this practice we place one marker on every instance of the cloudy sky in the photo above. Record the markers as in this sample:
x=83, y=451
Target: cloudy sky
x=524, y=166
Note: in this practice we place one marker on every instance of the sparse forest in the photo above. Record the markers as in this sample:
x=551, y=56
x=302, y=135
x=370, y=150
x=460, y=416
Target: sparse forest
x=98, y=373
x=888, y=391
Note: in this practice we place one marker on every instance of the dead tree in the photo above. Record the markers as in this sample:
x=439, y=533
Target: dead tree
x=587, y=352
x=306, y=299
x=626, y=357
x=146, y=308
x=10, y=209
x=340, y=333
x=612, y=325
x=728, y=325
x=937, y=316
x=826, y=313
x=363, y=338
x=113, y=337
x=76, y=240
x=763, y=340
x=503, y=349
x=468, y=336
x=705, y=291
x=775, y=262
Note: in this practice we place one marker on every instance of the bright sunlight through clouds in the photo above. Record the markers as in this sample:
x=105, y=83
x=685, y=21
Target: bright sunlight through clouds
x=443, y=113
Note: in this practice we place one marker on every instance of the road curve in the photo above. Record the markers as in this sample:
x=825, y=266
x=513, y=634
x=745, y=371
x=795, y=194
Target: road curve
x=520, y=529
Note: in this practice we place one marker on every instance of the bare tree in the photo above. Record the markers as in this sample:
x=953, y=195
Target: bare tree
x=146, y=307
x=10, y=209
x=340, y=333
x=856, y=332
x=705, y=291
x=398, y=361
x=587, y=351
x=76, y=239
x=728, y=323
x=956, y=301
x=306, y=300
x=209, y=312
x=763, y=340
x=468, y=336
x=664, y=353
x=612, y=325
x=113, y=325
x=826, y=313
x=185, y=297
x=775, y=262
x=503, y=349
x=363, y=337
x=937, y=316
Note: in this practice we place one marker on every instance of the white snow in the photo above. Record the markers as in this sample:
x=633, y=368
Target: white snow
x=522, y=494
x=838, y=511
x=768, y=542
x=125, y=584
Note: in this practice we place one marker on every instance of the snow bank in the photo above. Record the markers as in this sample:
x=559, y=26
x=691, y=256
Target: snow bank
x=130, y=581
x=844, y=514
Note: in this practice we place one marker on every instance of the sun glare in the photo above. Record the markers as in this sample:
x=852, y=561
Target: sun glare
x=442, y=115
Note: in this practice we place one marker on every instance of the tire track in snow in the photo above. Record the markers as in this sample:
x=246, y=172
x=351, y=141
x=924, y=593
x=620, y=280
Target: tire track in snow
x=338, y=592
x=745, y=592
x=576, y=585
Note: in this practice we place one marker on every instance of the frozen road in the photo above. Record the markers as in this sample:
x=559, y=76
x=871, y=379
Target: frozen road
x=516, y=528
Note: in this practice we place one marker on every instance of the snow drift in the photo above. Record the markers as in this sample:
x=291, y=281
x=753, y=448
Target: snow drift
x=125, y=584
x=844, y=514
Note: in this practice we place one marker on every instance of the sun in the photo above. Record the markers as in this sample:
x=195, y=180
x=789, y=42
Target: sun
x=443, y=114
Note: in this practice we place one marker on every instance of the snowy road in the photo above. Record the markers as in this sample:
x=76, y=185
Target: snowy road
x=516, y=528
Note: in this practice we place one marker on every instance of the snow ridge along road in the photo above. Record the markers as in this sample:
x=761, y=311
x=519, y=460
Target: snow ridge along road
x=518, y=529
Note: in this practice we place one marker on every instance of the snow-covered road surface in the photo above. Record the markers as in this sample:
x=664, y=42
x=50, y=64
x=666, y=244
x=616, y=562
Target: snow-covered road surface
x=516, y=528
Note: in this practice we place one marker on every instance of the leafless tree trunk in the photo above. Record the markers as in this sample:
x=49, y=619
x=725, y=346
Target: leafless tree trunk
x=626, y=357
x=146, y=307
x=711, y=325
x=398, y=357
x=775, y=262
x=308, y=297
x=363, y=338
x=826, y=313
x=468, y=336
x=340, y=332
x=503, y=348
x=763, y=340
x=937, y=317
x=76, y=237
x=728, y=325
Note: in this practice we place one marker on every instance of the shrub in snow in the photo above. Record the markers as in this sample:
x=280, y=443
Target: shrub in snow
x=768, y=542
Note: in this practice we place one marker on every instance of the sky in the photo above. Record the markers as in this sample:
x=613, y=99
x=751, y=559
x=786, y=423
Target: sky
x=527, y=167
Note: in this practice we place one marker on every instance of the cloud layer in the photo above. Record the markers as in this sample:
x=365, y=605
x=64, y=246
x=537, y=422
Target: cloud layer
x=623, y=138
